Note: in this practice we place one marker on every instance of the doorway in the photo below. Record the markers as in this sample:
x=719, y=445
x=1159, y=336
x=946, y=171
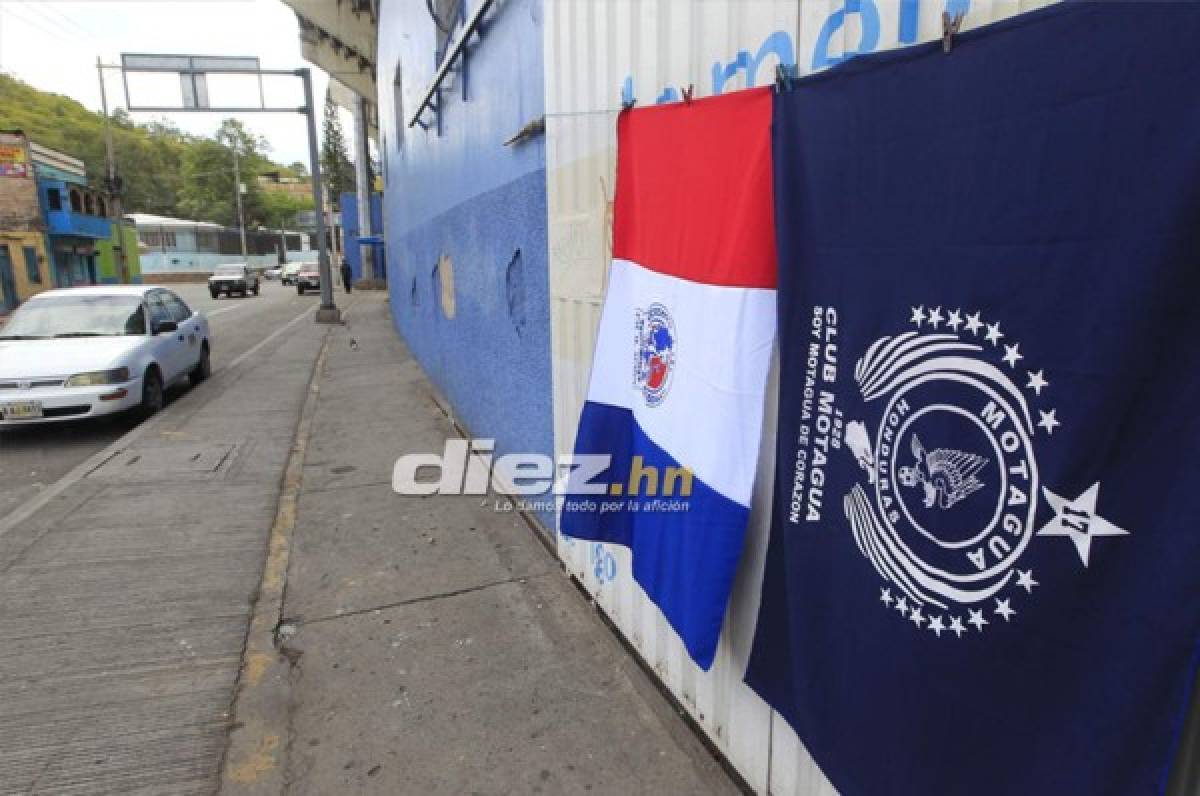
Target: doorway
x=8, y=286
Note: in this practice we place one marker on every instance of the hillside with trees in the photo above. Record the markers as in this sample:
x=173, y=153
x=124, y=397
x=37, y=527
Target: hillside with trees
x=164, y=170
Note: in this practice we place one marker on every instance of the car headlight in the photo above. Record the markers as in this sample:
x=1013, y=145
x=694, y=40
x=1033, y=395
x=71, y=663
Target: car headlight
x=97, y=377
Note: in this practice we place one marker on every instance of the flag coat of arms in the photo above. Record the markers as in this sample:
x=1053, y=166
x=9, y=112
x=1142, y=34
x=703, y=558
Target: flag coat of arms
x=982, y=570
x=682, y=354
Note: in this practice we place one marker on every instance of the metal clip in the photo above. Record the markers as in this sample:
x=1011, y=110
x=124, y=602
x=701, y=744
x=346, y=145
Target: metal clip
x=785, y=75
x=950, y=26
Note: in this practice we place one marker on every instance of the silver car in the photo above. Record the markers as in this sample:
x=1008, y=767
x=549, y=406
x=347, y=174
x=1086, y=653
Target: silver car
x=82, y=352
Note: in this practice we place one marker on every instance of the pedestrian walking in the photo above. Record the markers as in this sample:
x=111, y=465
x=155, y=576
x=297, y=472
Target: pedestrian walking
x=347, y=274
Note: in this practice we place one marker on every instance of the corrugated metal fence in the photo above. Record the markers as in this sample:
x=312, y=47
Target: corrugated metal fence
x=597, y=52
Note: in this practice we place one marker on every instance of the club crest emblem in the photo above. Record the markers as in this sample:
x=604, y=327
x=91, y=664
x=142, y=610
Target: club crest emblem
x=654, y=357
x=945, y=431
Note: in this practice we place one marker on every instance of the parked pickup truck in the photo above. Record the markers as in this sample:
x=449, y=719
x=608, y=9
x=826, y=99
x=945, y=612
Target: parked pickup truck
x=230, y=279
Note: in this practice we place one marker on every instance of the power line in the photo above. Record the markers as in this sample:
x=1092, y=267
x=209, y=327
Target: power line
x=46, y=10
x=36, y=22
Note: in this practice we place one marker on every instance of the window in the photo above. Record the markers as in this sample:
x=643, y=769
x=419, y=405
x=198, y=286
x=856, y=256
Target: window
x=159, y=312
x=180, y=312
x=76, y=202
x=89, y=206
x=101, y=207
x=31, y=265
x=74, y=314
x=206, y=239
x=54, y=199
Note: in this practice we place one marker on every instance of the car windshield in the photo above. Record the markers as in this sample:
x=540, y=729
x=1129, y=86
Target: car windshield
x=76, y=316
x=229, y=270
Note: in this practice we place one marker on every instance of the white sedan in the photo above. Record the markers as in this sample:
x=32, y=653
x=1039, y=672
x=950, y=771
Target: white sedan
x=82, y=352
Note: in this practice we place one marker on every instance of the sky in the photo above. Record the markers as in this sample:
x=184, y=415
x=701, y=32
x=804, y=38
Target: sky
x=53, y=45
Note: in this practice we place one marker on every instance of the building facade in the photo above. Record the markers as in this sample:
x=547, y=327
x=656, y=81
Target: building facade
x=176, y=249
x=25, y=268
x=466, y=225
x=77, y=218
x=348, y=206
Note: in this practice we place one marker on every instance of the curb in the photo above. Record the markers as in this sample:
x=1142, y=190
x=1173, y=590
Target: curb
x=261, y=701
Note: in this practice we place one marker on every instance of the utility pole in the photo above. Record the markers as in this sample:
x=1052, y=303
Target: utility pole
x=237, y=189
x=328, y=311
x=362, y=156
x=113, y=185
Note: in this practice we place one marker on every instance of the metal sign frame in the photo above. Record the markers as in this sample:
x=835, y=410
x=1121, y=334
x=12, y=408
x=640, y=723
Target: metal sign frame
x=193, y=71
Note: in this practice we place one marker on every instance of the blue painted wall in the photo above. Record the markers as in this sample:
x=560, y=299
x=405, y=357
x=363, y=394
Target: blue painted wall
x=348, y=203
x=463, y=195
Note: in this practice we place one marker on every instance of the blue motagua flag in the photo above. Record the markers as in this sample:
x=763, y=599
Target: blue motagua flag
x=983, y=575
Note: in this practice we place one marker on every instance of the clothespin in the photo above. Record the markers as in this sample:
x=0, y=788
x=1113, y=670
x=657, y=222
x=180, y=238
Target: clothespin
x=687, y=94
x=784, y=75
x=626, y=94
x=950, y=26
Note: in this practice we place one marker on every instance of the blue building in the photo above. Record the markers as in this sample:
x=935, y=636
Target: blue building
x=465, y=213
x=77, y=217
x=351, y=233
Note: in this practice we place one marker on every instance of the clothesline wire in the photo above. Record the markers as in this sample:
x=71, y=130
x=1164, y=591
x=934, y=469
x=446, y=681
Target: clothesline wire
x=561, y=114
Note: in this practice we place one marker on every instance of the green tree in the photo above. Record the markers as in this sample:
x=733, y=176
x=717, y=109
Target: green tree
x=337, y=172
x=208, y=192
x=279, y=209
x=154, y=159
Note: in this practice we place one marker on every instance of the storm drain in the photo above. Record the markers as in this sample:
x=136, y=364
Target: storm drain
x=195, y=460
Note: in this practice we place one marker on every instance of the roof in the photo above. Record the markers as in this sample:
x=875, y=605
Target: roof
x=150, y=219
x=44, y=155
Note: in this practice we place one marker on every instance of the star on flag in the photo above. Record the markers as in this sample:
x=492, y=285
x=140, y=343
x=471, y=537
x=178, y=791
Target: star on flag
x=993, y=333
x=1003, y=609
x=956, y=625
x=1025, y=580
x=935, y=317
x=954, y=319
x=1037, y=380
x=976, y=619
x=1049, y=420
x=935, y=624
x=918, y=315
x=1012, y=354
x=1078, y=521
x=974, y=324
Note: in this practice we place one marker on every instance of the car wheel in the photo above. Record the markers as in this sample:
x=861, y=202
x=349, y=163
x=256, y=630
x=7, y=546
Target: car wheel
x=203, y=368
x=152, y=392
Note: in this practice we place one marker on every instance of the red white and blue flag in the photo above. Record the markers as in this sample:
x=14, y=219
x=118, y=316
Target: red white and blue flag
x=682, y=354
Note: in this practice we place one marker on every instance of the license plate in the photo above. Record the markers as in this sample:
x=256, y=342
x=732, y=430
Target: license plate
x=21, y=410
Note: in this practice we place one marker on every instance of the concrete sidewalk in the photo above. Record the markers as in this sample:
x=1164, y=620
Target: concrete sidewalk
x=429, y=645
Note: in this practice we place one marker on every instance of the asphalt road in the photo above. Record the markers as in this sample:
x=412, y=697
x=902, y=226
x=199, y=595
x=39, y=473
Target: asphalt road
x=34, y=457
